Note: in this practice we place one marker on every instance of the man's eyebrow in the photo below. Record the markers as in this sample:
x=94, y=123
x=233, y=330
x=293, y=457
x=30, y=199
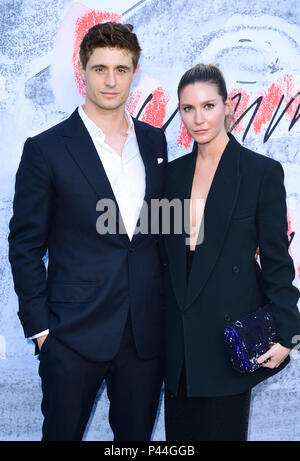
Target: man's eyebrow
x=97, y=65
x=120, y=66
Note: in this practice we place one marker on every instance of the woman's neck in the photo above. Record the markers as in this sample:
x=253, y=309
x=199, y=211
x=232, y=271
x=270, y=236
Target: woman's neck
x=213, y=150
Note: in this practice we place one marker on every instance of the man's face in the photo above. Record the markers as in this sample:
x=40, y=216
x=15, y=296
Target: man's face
x=108, y=75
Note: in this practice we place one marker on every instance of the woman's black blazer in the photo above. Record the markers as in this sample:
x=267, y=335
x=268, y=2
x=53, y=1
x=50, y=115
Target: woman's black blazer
x=245, y=209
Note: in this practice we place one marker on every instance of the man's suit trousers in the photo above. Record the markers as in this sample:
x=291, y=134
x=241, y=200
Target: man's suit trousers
x=70, y=384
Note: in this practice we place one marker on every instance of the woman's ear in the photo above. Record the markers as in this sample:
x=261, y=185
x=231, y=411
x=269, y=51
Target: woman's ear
x=229, y=115
x=228, y=107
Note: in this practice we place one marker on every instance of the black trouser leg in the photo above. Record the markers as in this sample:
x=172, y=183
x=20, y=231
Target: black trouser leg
x=70, y=384
x=206, y=418
x=133, y=388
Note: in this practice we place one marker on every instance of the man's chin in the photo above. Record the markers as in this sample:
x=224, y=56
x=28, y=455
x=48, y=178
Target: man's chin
x=110, y=105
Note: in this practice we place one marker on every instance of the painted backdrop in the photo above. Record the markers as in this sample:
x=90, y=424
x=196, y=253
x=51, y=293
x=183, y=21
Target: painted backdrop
x=256, y=44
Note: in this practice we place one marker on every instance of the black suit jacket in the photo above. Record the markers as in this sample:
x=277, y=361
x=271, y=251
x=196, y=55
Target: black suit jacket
x=92, y=280
x=245, y=208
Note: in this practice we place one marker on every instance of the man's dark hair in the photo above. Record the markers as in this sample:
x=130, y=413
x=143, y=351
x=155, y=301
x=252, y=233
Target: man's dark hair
x=109, y=35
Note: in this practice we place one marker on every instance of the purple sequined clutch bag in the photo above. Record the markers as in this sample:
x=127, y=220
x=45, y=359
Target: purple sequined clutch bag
x=250, y=337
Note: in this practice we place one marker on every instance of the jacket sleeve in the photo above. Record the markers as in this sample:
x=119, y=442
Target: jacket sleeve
x=277, y=266
x=28, y=234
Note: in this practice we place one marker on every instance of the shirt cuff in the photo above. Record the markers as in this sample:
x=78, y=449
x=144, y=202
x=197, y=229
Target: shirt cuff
x=43, y=333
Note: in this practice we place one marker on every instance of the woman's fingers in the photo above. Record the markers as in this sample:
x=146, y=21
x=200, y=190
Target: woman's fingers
x=274, y=356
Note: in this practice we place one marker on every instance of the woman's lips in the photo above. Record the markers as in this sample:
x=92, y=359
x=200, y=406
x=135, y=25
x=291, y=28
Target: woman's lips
x=200, y=131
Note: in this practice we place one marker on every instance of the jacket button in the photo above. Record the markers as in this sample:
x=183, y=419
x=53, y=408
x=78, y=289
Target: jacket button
x=227, y=317
x=235, y=269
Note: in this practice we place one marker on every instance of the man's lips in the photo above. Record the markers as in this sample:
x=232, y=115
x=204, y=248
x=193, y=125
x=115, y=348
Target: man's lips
x=108, y=93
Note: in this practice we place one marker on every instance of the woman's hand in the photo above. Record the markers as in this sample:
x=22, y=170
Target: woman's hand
x=274, y=356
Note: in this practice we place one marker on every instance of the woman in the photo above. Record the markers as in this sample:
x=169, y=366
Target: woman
x=212, y=281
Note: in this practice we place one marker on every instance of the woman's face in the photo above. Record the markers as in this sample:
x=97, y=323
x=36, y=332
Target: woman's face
x=203, y=111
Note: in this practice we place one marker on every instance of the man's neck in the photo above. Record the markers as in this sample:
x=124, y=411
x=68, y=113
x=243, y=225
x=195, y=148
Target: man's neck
x=111, y=122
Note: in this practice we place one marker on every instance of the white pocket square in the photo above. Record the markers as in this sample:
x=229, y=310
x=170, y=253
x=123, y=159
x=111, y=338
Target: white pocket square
x=160, y=160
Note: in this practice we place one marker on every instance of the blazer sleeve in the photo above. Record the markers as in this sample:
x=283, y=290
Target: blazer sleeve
x=277, y=265
x=28, y=235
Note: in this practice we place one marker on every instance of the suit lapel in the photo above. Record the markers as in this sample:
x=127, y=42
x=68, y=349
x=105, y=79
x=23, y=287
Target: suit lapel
x=179, y=187
x=148, y=157
x=82, y=149
x=220, y=204
x=150, y=163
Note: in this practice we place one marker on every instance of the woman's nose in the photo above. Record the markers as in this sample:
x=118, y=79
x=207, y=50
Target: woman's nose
x=198, y=116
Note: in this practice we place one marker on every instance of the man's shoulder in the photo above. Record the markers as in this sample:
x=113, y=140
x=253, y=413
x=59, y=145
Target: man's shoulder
x=147, y=127
x=51, y=133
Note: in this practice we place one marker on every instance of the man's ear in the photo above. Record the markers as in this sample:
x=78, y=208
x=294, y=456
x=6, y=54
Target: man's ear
x=136, y=71
x=81, y=71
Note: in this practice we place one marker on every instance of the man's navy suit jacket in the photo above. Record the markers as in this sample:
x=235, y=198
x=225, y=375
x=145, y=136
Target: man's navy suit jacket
x=92, y=281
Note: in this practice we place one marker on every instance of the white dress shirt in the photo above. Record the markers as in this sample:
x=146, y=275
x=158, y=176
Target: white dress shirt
x=126, y=174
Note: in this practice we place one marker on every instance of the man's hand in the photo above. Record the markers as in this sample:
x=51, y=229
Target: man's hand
x=274, y=356
x=256, y=253
x=40, y=341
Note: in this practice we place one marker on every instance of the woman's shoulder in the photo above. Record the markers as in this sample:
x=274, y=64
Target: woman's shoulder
x=179, y=162
x=257, y=161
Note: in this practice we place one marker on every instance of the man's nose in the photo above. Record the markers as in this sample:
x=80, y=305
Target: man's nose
x=110, y=79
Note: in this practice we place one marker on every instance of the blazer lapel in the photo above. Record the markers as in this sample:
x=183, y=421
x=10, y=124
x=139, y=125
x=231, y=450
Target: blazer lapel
x=179, y=187
x=150, y=163
x=82, y=149
x=219, y=206
x=148, y=157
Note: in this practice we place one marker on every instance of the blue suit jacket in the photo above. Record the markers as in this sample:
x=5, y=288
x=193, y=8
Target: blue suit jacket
x=92, y=280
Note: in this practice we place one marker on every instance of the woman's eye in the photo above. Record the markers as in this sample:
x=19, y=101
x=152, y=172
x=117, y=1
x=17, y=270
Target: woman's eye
x=186, y=109
x=209, y=106
x=99, y=69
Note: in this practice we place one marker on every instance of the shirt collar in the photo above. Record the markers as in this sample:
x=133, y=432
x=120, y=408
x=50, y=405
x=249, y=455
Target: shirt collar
x=94, y=129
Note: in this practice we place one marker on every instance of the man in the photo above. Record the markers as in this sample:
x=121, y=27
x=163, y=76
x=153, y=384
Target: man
x=97, y=311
